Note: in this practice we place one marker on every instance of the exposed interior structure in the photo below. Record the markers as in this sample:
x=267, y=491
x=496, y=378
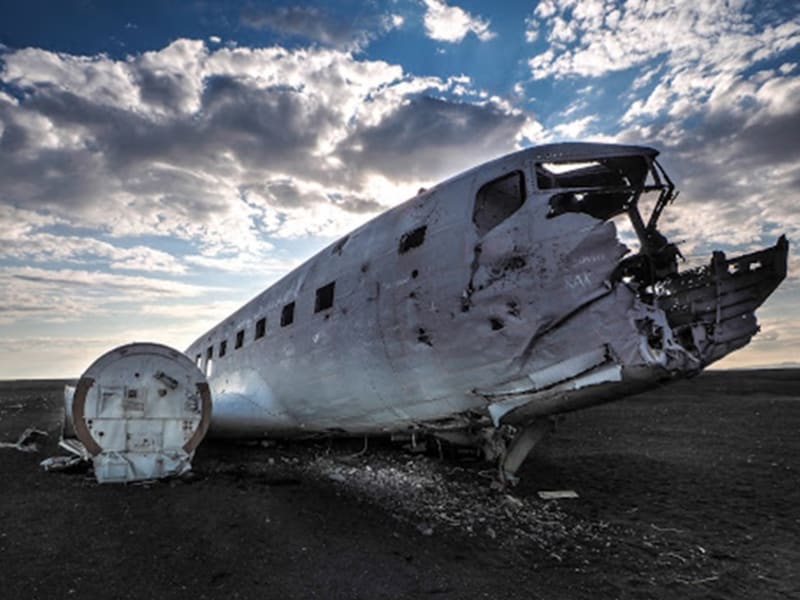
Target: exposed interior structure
x=710, y=308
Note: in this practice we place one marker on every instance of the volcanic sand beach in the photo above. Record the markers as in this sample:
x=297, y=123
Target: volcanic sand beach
x=690, y=491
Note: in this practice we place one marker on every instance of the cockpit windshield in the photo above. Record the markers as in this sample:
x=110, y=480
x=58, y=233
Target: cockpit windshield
x=610, y=186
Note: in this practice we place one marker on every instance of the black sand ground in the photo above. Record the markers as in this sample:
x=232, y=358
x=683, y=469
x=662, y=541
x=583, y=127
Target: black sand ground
x=692, y=491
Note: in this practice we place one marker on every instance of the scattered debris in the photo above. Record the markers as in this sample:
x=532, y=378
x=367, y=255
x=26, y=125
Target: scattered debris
x=28, y=441
x=452, y=500
x=64, y=464
x=557, y=494
x=514, y=501
x=662, y=529
x=75, y=446
x=429, y=494
x=698, y=581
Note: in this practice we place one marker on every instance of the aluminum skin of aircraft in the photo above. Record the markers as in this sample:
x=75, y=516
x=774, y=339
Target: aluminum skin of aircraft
x=481, y=308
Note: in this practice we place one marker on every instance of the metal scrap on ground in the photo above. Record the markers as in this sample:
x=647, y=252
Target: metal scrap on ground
x=28, y=441
x=557, y=494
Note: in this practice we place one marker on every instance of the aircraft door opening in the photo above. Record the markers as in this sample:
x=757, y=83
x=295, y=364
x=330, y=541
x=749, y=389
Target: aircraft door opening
x=498, y=200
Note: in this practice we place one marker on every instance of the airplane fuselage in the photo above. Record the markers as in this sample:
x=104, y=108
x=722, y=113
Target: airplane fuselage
x=495, y=298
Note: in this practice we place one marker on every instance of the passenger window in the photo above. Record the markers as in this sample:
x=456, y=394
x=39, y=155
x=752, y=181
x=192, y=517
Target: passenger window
x=287, y=314
x=239, y=339
x=223, y=348
x=198, y=360
x=412, y=239
x=324, y=299
x=209, y=361
x=498, y=200
x=261, y=327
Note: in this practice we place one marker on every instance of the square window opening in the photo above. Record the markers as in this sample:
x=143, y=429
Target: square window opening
x=261, y=327
x=287, y=314
x=498, y=200
x=239, y=339
x=324, y=298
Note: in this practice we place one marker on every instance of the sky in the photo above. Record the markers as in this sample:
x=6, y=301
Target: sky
x=163, y=162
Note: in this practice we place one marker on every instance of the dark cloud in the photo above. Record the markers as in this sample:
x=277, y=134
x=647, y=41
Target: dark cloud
x=312, y=23
x=357, y=204
x=289, y=194
x=286, y=194
x=20, y=308
x=260, y=129
x=773, y=141
x=165, y=90
x=427, y=137
x=739, y=164
x=265, y=127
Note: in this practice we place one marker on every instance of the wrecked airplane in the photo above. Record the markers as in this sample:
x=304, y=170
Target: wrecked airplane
x=472, y=313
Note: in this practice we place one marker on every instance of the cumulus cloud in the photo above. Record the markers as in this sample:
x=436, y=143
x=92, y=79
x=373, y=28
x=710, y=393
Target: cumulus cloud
x=610, y=37
x=531, y=29
x=573, y=130
x=703, y=93
x=447, y=23
x=170, y=142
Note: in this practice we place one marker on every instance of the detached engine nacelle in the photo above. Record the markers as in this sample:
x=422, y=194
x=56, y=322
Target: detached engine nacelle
x=138, y=412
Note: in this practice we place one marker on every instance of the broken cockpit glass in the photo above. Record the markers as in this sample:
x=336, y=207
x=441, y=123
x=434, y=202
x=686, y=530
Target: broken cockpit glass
x=608, y=187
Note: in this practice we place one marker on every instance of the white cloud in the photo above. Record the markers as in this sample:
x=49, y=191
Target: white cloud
x=545, y=9
x=33, y=299
x=715, y=36
x=574, y=130
x=531, y=29
x=167, y=143
x=562, y=30
x=447, y=23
